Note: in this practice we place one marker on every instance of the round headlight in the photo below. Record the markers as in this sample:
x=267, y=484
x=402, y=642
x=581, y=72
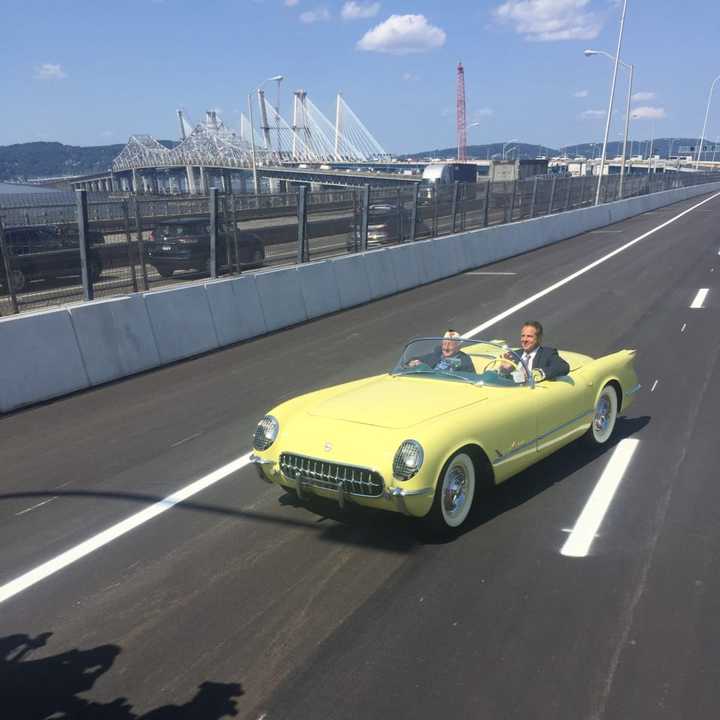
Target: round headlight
x=266, y=432
x=408, y=459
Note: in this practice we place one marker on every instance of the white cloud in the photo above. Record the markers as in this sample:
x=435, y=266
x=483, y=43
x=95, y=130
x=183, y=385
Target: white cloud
x=648, y=113
x=402, y=35
x=407, y=76
x=643, y=96
x=291, y=3
x=352, y=10
x=593, y=114
x=313, y=16
x=48, y=71
x=581, y=94
x=547, y=20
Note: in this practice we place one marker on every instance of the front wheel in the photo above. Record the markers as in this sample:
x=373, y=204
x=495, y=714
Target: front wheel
x=454, y=495
x=604, y=417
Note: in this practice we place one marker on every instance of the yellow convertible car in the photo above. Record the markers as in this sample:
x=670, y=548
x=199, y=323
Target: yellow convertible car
x=426, y=437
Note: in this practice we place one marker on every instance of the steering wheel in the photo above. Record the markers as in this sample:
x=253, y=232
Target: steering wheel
x=416, y=363
x=499, y=365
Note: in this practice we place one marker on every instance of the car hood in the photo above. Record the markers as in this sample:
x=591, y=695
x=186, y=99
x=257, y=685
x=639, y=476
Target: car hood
x=398, y=402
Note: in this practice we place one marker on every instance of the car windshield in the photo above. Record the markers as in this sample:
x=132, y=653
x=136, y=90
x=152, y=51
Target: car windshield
x=480, y=362
x=170, y=231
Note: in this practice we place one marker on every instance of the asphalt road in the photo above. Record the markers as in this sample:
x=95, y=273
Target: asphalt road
x=240, y=599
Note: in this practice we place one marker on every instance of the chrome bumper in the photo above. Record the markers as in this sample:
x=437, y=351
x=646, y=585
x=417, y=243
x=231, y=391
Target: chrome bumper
x=258, y=462
x=398, y=496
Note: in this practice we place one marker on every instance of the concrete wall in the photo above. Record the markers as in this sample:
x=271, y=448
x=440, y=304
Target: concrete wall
x=52, y=353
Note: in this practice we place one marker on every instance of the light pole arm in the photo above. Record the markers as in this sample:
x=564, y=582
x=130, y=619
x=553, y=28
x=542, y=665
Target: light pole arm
x=707, y=113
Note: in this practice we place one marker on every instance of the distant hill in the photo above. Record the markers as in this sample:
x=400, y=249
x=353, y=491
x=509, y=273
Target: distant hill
x=660, y=146
x=25, y=161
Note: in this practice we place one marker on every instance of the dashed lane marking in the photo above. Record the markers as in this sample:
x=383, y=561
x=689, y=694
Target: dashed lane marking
x=654, y=385
x=591, y=517
x=699, y=300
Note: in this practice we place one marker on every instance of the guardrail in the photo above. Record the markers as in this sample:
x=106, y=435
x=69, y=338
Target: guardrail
x=63, y=252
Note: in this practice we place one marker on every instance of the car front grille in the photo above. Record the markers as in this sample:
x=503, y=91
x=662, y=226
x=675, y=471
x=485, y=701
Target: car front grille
x=330, y=476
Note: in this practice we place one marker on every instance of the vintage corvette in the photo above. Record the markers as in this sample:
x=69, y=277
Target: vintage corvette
x=425, y=440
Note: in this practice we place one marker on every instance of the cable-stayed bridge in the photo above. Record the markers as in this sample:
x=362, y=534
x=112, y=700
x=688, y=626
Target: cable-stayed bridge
x=301, y=150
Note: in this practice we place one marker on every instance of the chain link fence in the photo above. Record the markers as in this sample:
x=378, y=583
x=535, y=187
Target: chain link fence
x=68, y=247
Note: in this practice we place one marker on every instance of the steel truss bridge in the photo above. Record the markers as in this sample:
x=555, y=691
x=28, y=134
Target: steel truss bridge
x=212, y=149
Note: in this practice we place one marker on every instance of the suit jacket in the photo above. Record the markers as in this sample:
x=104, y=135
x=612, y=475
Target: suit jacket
x=548, y=360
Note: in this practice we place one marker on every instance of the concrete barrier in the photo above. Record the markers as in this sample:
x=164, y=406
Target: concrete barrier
x=39, y=358
x=182, y=322
x=406, y=266
x=281, y=298
x=381, y=273
x=235, y=309
x=319, y=287
x=115, y=338
x=352, y=280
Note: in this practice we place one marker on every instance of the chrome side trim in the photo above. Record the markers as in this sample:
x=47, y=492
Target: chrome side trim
x=258, y=460
x=512, y=453
x=399, y=495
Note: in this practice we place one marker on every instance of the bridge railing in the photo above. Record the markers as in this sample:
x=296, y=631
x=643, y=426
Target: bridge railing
x=83, y=246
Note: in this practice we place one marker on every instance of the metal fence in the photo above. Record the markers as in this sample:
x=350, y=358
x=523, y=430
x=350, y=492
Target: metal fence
x=73, y=248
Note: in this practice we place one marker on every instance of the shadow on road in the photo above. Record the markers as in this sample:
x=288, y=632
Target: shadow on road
x=50, y=687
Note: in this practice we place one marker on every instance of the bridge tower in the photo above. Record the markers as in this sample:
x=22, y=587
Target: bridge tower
x=461, y=128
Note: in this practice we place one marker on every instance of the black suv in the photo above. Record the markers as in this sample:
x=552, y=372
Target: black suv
x=185, y=245
x=388, y=224
x=46, y=253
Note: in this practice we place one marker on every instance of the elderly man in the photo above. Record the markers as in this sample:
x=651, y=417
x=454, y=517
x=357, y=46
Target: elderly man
x=542, y=361
x=447, y=356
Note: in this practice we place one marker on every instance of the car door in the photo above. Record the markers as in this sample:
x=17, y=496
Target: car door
x=563, y=406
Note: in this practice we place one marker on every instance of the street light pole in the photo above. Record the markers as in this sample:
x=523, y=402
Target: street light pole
x=610, y=105
x=707, y=112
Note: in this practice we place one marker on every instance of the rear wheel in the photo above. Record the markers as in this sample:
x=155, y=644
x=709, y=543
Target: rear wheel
x=604, y=417
x=454, y=495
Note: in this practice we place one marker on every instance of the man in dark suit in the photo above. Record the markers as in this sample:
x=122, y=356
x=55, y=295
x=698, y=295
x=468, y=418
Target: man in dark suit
x=536, y=356
x=542, y=361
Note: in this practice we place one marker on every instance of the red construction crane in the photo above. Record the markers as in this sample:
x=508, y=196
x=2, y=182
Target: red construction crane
x=461, y=128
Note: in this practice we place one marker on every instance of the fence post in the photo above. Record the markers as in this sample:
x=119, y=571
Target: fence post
x=303, y=254
x=512, y=202
x=236, y=241
x=413, y=213
x=84, y=242
x=213, y=202
x=435, y=209
x=140, y=243
x=128, y=240
x=569, y=193
x=364, y=218
x=532, y=199
x=8, y=270
x=456, y=191
x=486, y=209
x=552, y=195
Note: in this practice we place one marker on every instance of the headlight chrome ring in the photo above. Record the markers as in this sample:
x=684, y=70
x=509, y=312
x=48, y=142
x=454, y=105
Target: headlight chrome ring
x=266, y=432
x=408, y=460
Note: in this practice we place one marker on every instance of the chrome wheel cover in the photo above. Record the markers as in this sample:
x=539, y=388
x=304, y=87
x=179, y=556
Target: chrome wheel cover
x=603, y=421
x=458, y=490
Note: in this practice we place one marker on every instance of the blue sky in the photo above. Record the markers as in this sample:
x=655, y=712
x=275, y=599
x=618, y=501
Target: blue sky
x=92, y=73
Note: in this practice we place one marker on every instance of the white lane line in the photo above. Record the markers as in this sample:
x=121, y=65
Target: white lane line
x=654, y=385
x=30, y=578
x=586, y=527
x=490, y=273
x=699, y=298
x=35, y=507
x=595, y=232
x=682, y=329
x=582, y=271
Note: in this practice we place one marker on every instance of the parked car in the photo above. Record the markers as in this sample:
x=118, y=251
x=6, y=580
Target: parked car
x=46, y=253
x=388, y=223
x=428, y=441
x=185, y=245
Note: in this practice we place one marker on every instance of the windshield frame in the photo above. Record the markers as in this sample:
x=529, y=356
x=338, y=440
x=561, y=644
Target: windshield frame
x=501, y=347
